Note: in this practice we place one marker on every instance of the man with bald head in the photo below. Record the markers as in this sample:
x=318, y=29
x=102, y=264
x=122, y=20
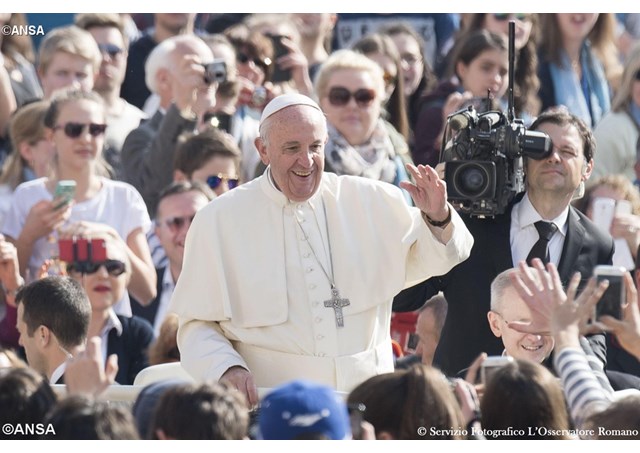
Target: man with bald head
x=292, y=275
x=175, y=72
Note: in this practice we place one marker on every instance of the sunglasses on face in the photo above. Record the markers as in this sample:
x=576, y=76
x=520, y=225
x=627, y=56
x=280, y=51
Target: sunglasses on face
x=74, y=130
x=110, y=49
x=518, y=16
x=340, y=96
x=176, y=224
x=215, y=180
x=114, y=268
x=244, y=58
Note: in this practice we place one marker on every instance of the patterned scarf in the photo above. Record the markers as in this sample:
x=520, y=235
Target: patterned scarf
x=373, y=159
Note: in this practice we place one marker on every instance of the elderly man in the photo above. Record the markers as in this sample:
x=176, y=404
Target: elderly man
x=293, y=274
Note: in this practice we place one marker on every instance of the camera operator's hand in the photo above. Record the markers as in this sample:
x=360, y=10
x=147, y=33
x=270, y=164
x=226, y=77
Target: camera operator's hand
x=242, y=380
x=627, y=330
x=429, y=192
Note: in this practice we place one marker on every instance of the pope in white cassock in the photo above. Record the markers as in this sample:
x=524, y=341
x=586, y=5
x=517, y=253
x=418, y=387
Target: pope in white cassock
x=292, y=275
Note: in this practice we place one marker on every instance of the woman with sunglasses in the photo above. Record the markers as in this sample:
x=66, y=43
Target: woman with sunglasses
x=105, y=283
x=618, y=133
x=351, y=90
x=578, y=63
x=211, y=157
x=479, y=66
x=75, y=125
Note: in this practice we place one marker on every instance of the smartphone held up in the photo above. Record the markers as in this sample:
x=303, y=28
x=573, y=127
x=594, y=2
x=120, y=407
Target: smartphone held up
x=64, y=193
x=612, y=300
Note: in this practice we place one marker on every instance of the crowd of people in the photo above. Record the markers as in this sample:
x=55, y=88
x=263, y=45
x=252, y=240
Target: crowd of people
x=254, y=197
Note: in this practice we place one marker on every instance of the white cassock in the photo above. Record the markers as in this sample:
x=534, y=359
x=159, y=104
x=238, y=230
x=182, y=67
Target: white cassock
x=252, y=288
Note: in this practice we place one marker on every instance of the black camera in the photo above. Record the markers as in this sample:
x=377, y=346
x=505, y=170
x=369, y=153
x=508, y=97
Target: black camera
x=215, y=72
x=483, y=154
x=484, y=167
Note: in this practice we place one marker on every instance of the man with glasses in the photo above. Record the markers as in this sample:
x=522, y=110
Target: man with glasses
x=122, y=117
x=177, y=207
x=53, y=320
x=291, y=275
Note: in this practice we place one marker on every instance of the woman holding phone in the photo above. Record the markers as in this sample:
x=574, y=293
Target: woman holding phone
x=75, y=125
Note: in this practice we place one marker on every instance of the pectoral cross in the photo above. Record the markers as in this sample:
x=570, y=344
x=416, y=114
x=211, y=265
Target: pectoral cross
x=336, y=302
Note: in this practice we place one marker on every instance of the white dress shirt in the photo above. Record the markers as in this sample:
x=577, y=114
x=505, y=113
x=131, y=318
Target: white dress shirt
x=523, y=233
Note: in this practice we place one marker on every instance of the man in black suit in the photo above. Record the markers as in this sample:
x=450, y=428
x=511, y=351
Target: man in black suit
x=178, y=204
x=53, y=321
x=575, y=245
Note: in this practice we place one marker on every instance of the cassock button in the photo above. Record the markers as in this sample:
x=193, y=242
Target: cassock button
x=319, y=337
x=312, y=286
x=316, y=303
x=318, y=319
x=322, y=354
x=309, y=269
x=306, y=255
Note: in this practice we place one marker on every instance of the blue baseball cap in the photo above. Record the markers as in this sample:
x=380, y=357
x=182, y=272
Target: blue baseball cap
x=300, y=408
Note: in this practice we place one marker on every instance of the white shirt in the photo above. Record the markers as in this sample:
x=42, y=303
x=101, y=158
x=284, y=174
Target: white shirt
x=116, y=204
x=523, y=233
x=251, y=292
x=58, y=372
x=112, y=323
x=168, y=285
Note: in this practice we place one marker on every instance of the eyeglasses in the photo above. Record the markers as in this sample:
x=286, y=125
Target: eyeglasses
x=244, y=58
x=215, y=180
x=176, y=224
x=74, y=130
x=114, y=268
x=110, y=49
x=638, y=75
x=340, y=96
x=518, y=16
x=410, y=58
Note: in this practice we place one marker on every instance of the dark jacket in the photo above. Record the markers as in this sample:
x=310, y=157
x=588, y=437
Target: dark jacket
x=466, y=287
x=131, y=347
x=426, y=149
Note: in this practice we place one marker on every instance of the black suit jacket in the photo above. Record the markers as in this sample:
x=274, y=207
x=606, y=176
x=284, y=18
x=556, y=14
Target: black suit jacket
x=466, y=287
x=131, y=347
x=150, y=311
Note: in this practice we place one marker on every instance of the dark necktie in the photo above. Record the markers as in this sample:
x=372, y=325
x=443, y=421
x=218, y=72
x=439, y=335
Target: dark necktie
x=541, y=248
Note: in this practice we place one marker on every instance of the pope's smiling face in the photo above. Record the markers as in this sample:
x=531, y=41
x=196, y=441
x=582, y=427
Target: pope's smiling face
x=293, y=145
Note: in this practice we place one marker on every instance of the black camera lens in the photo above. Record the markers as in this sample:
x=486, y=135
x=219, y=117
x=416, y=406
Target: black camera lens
x=471, y=180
